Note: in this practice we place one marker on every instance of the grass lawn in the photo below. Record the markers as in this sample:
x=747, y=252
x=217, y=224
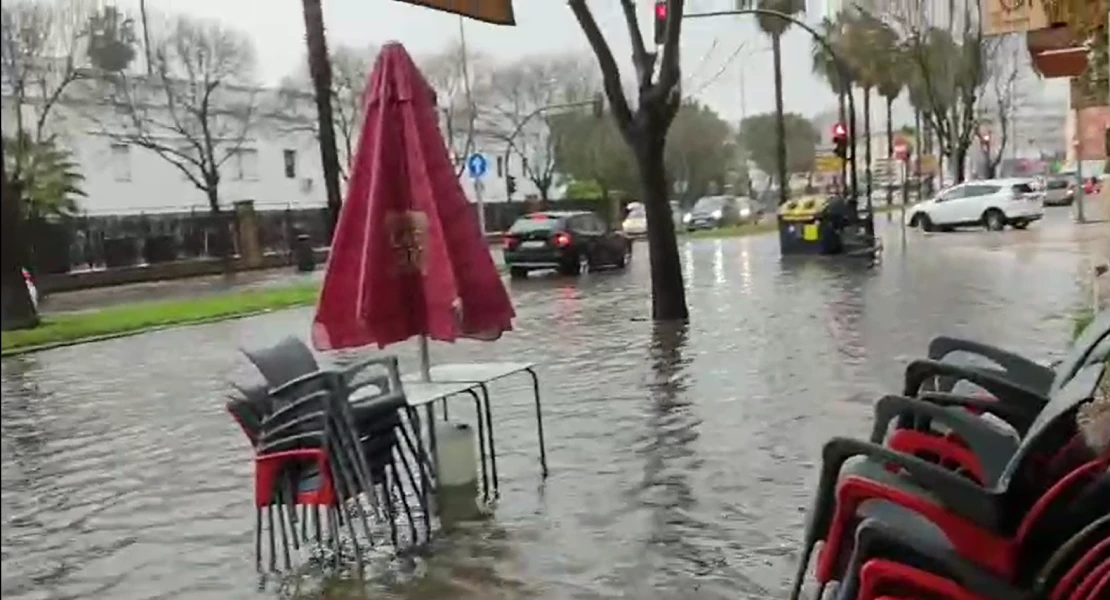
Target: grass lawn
x=69, y=328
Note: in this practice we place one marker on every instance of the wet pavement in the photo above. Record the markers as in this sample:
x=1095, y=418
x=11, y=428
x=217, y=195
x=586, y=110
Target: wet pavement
x=681, y=458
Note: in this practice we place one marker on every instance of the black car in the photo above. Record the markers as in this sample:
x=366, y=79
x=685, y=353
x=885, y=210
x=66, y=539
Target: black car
x=567, y=241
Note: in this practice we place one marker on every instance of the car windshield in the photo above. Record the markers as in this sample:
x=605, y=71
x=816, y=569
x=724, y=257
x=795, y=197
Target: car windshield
x=535, y=222
x=709, y=204
x=1023, y=188
x=636, y=212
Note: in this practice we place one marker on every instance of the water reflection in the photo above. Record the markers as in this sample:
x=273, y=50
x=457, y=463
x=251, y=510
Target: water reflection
x=719, y=264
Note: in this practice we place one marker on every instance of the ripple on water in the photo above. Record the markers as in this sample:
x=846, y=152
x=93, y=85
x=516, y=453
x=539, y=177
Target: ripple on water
x=681, y=458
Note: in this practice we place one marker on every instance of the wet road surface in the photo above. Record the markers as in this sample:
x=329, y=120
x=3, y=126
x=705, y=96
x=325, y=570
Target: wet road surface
x=681, y=458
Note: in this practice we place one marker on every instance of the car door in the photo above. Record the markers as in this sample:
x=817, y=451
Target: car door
x=585, y=238
x=604, y=240
x=946, y=205
x=974, y=203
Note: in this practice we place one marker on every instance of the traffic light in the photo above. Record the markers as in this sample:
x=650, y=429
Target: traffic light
x=840, y=140
x=510, y=185
x=660, y=21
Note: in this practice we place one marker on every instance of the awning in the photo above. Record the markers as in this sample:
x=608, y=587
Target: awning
x=497, y=12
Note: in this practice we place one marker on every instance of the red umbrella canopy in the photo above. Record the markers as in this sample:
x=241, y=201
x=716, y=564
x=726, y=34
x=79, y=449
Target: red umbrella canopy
x=408, y=257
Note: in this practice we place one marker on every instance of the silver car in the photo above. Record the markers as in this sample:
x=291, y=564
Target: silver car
x=1059, y=191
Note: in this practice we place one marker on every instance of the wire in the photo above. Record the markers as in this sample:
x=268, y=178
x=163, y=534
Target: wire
x=721, y=71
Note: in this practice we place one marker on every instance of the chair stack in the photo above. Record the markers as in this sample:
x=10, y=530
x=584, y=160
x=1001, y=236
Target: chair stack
x=338, y=463
x=943, y=503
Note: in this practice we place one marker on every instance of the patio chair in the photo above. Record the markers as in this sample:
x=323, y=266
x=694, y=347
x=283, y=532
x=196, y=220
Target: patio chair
x=1017, y=377
x=285, y=361
x=941, y=505
x=969, y=443
x=1062, y=538
x=307, y=454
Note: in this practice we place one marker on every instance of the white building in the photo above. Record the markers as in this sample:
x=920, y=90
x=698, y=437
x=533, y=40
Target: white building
x=277, y=165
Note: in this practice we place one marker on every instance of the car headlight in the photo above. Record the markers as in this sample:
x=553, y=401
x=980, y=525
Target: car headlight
x=745, y=212
x=686, y=218
x=717, y=214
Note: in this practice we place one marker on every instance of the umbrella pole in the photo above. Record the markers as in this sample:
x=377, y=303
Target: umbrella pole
x=425, y=360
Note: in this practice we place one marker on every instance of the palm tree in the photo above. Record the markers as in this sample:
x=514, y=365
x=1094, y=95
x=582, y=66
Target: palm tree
x=16, y=309
x=864, y=37
x=319, y=67
x=774, y=27
x=892, y=78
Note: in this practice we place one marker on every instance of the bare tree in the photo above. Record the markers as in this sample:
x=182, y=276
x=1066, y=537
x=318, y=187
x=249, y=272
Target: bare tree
x=453, y=76
x=197, y=109
x=43, y=52
x=953, y=63
x=1003, y=96
x=514, y=107
x=350, y=68
x=645, y=131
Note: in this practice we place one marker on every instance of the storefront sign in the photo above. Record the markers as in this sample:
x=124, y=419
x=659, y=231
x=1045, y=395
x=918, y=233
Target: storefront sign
x=1010, y=16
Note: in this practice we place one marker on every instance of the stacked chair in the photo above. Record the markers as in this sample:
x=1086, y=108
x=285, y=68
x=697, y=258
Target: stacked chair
x=341, y=446
x=941, y=503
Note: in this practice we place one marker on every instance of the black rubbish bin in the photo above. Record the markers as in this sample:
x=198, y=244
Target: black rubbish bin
x=304, y=258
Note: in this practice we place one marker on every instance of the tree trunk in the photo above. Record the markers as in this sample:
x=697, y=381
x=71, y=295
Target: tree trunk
x=889, y=151
x=959, y=163
x=668, y=292
x=780, y=119
x=16, y=309
x=319, y=66
x=867, y=142
x=919, y=147
x=221, y=235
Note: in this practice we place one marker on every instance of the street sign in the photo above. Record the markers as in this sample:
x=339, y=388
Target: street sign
x=829, y=163
x=476, y=166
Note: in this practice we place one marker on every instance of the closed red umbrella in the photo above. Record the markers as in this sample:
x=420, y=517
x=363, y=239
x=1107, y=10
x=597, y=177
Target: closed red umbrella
x=407, y=258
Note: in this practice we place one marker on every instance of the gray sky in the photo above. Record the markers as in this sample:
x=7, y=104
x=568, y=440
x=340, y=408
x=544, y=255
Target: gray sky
x=543, y=26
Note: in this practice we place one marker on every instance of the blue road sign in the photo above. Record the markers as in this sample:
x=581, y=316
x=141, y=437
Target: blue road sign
x=476, y=166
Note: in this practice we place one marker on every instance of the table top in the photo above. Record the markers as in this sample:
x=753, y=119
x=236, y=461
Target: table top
x=419, y=393
x=473, y=373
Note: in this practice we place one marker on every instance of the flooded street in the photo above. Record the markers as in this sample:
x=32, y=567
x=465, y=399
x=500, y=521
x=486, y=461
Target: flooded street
x=681, y=458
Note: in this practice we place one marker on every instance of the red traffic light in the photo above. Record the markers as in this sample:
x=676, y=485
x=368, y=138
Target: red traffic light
x=839, y=131
x=661, y=9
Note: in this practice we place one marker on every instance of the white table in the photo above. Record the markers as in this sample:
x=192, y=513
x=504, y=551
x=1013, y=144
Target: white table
x=480, y=375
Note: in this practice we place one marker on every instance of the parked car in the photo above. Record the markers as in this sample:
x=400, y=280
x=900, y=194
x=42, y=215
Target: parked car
x=635, y=222
x=711, y=212
x=1059, y=191
x=569, y=242
x=32, y=289
x=990, y=203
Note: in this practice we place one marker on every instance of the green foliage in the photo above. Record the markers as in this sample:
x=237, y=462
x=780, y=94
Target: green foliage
x=112, y=40
x=758, y=137
x=47, y=174
x=772, y=25
x=142, y=316
x=590, y=149
x=700, y=149
x=585, y=190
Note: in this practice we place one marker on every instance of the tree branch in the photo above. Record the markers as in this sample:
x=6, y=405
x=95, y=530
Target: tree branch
x=611, y=77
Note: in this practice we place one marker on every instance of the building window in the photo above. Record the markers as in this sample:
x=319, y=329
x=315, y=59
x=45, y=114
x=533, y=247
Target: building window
x=121, y=162
x=289, y=157
x=245, y=165
x=500, y=166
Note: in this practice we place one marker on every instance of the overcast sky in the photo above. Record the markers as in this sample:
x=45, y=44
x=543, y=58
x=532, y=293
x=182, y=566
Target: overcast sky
x=543, y=26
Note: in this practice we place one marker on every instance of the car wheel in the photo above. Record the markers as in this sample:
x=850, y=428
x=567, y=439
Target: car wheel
x=625, y=257
x=994, y=220
x=1020, y=224
x=572, y=265
x=925, y=223
x=518, y=273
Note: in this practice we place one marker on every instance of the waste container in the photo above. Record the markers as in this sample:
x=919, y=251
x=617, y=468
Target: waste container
x=304, y=258
x=800, y=228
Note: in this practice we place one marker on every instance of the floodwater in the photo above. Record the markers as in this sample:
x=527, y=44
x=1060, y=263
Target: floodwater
x=681, y=458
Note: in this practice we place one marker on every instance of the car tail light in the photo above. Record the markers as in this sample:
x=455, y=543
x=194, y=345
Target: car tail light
x=510, y=240
x=562, y=240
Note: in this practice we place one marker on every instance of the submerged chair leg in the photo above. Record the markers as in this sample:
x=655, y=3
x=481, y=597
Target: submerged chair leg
x=399, y=485
x=420, y=497
x=281, y=524
x=346, y=495
x=258, y=539
x=273, y=541
x=333, y=533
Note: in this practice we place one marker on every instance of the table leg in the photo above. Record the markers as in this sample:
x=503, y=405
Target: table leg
x=430, y=409
x=539, y=421
x=489, y=430
x=481, y=442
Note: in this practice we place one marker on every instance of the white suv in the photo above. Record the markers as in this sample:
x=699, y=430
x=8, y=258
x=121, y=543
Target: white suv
x=990, y=203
